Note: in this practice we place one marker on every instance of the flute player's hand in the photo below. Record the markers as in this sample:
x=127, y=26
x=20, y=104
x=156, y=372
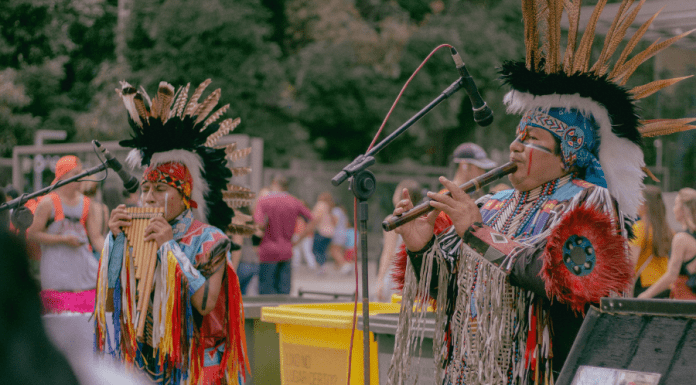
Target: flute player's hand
x=119, y=218
x=459, y=206
x=418, y=232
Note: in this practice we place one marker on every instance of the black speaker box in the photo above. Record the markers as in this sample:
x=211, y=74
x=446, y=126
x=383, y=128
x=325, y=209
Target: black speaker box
x=634, y=341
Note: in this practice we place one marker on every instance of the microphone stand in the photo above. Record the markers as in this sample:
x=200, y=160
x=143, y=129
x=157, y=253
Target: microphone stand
x=22, y=217
x=363, y=185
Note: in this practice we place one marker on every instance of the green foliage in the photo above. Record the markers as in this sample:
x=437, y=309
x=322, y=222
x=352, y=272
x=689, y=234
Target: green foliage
x=350, y=64
x=313, y=78
x=227, y=41
x=52, y=47
x=16, y=127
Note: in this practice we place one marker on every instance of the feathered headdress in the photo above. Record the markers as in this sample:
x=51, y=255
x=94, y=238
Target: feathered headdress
x=587, y=107
x=169, y=128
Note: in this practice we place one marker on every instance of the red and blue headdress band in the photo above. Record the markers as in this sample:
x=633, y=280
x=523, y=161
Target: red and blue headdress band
x=578, y=137
x=174, y=174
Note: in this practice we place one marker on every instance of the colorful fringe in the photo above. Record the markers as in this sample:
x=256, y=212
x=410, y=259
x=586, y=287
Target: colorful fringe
x=178, y=349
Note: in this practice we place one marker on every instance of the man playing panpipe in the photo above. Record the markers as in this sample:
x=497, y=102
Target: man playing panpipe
x=513, y=279
x=194, y=325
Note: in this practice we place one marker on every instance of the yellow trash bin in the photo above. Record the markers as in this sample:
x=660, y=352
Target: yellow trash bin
x=315, y=341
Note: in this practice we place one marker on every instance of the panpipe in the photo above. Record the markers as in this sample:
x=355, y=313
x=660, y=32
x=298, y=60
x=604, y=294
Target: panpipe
x=144, y=254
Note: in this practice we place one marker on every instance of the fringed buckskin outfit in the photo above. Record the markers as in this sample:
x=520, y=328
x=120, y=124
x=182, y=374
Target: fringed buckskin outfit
x=175, y=140
x=511, y=292
x=498, y=326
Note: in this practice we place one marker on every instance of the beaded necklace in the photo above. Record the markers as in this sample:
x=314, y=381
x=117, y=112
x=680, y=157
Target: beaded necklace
x=547, y=190
x=539, y=196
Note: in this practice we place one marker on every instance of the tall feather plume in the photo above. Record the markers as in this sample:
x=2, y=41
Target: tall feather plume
x=180, y=103
x=238, y=154
x=241, y=229
x=237, y=203
x=632, y=43
x=234, y=187
x=658, y=127
x=553, y=24
x=238, y=194
x=226, y=127
x=162, y=101
x=531, y=34
x=616, y=39
x=175, y=97
x=207, y=106
x=193, y=102
x=127, y=93
x=573, y=10
x=155, y=107
x=145, y=95
x=215, y=116
x=542, y=14
x=632, y=65
x=229, y=148
x=611, y=35
x=242, y=218
x=140, y=106
x=240, y=171
x=646, y=90
x=582, y=56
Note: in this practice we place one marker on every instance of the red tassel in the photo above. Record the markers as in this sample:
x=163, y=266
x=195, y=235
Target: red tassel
x=236, y=327
x=176, y=318
x=531, y=339
x=612, y=271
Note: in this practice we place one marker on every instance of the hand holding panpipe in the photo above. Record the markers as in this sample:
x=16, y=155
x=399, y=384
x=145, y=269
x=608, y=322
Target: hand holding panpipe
x=393, y=222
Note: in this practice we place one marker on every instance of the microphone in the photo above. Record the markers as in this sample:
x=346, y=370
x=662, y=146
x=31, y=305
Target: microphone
x=483, y=115
x=129, y=181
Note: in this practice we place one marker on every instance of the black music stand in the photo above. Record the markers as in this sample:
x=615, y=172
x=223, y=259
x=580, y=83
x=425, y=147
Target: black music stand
x=652, y=339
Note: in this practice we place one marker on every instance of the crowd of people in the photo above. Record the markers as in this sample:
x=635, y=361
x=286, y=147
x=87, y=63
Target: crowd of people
x=664, y=255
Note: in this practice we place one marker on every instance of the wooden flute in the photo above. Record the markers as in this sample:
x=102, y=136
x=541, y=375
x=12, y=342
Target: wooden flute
x=393, y=222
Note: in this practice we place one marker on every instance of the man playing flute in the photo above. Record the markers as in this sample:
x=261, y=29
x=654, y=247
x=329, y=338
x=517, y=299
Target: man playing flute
x=194, y=331
x=513, y=279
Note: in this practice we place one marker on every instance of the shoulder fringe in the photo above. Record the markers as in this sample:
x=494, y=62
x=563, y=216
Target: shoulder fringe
x=622, y=160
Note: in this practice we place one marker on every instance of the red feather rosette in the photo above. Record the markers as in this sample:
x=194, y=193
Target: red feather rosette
x=585, y=259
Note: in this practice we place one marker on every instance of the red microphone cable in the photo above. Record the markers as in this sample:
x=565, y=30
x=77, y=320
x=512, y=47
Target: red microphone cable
x=355, y=206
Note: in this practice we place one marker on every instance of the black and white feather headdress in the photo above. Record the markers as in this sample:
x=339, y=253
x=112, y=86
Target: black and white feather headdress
x=170, y=128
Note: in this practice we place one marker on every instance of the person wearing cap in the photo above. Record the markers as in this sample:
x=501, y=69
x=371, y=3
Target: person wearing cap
x=67, y=231
x=472, y=161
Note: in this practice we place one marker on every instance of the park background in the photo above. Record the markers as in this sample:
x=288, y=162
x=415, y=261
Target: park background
x=311, y=80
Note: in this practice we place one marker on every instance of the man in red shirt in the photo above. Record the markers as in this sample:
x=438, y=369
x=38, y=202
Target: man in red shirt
x=276, y=213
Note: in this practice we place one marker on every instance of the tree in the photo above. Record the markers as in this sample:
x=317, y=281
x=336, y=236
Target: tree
x=349, y=63
x=51, y=46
